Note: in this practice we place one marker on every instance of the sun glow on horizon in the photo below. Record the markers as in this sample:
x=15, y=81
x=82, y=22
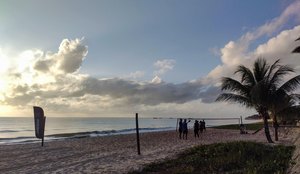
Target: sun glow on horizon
x=4, y=65
x=6, y=111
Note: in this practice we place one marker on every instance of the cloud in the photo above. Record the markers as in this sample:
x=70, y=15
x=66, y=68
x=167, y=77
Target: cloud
x=156, y=80
x=281, y=47
x=215, y=51
x=134, y=93
x=42, y=81
x=237, y=52
x=54, y=81
x=70, y=55
x=195, y=108
x=278, y=47
x=136, y=75
x=68, y=59
x=34, y=74
x=4, y=62
x=291, y=12
x=163, y=66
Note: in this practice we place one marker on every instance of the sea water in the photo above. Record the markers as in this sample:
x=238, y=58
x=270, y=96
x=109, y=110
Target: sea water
x=21, y=129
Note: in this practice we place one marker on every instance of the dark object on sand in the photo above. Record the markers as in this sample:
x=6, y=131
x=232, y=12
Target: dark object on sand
x=137, y=133
x=243, y=129
x=196, y=128
x=39, y=123
x=180, y=127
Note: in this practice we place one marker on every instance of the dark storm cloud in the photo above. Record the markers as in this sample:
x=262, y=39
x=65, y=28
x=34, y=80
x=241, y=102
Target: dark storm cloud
x=147, y=93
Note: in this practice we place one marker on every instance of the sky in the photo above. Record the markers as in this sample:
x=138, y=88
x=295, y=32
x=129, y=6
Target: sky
x=115, y=58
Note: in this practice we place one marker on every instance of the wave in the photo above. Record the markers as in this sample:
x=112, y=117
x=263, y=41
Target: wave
x=31, y=139
x=8, y=131
x=11, y=131
x=107, y=132
x=16, y=138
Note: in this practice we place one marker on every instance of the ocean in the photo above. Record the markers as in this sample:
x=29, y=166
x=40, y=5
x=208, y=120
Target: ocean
x=21, y=129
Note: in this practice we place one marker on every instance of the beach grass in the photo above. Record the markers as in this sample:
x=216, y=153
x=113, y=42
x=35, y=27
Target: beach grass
x=233, y=157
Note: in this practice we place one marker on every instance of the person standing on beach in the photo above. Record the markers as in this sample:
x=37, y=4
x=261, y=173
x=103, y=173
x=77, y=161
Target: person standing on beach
x=196, y=128
x=185, y=128
x=201, y=126
x=180, y=128
x=204, y=126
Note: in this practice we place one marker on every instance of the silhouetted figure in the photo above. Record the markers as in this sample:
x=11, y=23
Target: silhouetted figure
x=196, y=128
x=201, y=126
x=204, y=126
x=185, y=128
x=243, y=129
x=180, y=128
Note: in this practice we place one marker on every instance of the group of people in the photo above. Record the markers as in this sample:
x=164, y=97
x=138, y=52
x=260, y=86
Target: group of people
x=183, y=128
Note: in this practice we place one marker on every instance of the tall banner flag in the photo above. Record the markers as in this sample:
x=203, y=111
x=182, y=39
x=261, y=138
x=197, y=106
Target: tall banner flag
x=39, y=123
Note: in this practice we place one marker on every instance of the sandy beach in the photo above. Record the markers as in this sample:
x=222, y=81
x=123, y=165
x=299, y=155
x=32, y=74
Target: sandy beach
x=110, y=154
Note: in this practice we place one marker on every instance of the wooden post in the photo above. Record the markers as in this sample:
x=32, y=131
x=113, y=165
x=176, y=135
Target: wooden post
x=137, y=133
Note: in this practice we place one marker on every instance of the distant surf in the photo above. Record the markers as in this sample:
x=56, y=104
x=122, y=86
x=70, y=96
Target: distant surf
x=62, y=136
x=21, y=129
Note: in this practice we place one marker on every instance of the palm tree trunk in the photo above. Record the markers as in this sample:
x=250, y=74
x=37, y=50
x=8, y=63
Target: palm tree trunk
x=275, y=127
x=266, y=125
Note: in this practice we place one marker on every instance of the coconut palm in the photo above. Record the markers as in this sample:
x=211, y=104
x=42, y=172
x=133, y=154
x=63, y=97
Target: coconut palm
x=282, y=107
x=278, y=97
x=245, y=91
x=256, y=88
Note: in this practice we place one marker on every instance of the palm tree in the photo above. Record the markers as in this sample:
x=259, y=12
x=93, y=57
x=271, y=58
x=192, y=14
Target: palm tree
x=256, y=89
x=245, y=91
x=280, y=98
x=283, y=106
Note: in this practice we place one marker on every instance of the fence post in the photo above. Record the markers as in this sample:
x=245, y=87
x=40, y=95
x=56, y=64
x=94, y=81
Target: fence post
x=137, y=133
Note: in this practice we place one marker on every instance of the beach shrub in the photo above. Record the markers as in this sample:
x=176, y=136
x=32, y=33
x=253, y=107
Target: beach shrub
x=233, y=157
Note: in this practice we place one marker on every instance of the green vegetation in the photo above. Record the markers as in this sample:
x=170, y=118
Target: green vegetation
x=234, y=157
x=263, y=89
x=251, y=126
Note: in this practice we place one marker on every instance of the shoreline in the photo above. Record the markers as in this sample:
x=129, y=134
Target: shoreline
x=107, y=154
x=77, y=135
x=68, y=126
x=85, y=134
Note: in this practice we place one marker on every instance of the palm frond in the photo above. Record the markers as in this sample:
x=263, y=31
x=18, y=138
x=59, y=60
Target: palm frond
x=281, y=100
x=259, y=89
x=291, y=84
x=235, y=98
x=246, y=74
x=273, y=67
x=234, y=86
x=296, y=50
x=295, y=97
x=280, y=73
x=261, y=93
x=290, y=112
x=260, y=69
